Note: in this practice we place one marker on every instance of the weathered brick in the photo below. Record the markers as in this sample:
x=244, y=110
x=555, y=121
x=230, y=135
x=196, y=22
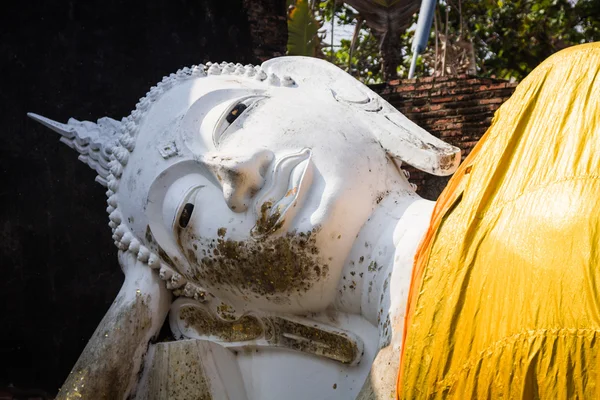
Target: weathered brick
x=463, y=90
x=495, y=100
x=420, y=101
x=456, y=125
x=474, y=111
x=471, y=144
x=406, y=88
x=451, y=133
x=446, y=99
x=444, y=84
x=434, y=114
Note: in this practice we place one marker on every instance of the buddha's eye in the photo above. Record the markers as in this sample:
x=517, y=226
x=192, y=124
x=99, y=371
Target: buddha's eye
x=186, y=214
x=183, y=213
x=235, y=112
x=232, y=114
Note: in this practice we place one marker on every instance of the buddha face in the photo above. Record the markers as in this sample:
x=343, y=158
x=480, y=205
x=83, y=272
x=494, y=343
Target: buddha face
x=259, y=190
x=278, y=186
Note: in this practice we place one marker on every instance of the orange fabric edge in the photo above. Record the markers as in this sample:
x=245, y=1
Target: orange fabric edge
x=442, y=205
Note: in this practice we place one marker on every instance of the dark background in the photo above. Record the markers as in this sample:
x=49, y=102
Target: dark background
x=86, y=59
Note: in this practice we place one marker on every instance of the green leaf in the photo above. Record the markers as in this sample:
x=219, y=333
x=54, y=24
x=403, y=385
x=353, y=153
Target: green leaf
x=303, y=28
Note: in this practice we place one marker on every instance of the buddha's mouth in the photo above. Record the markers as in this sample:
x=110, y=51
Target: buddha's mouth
x=280, y=200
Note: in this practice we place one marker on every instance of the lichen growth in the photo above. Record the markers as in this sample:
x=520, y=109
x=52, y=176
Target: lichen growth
x=313, y=340
x=107, y=365
x=175, y=374
x=226, y=312
x=372, y=266
x=265, y=266
x=245, y=328
x=268, y=222
x=277, y=331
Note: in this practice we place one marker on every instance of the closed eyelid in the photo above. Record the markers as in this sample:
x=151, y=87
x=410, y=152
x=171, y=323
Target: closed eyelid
x=198, y=124
x=223, y=122
x=185, y=209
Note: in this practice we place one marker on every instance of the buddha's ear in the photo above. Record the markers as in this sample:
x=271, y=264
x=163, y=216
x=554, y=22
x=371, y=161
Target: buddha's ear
x=413, y=145
x=399, y=136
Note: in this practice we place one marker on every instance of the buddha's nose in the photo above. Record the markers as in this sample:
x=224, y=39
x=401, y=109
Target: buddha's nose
x=241, y=175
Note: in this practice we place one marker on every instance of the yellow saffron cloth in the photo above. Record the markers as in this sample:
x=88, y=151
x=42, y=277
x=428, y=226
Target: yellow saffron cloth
x=505, y=297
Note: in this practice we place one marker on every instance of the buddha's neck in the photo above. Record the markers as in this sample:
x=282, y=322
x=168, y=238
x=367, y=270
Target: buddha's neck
x=376, y=276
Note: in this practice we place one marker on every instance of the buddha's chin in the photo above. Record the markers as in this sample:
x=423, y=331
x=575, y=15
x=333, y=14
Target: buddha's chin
x=272, y=272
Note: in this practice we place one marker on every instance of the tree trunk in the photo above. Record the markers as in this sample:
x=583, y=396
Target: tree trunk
x=391, y=56
x=268, y=28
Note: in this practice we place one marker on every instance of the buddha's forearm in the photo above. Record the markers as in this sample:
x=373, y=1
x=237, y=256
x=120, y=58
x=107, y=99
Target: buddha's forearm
x=110, y=363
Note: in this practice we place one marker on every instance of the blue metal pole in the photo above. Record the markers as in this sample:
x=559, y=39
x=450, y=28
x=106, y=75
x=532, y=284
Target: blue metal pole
x=421, y=37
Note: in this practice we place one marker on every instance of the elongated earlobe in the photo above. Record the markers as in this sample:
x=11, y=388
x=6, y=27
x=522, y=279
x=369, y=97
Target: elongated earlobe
x=413, y=145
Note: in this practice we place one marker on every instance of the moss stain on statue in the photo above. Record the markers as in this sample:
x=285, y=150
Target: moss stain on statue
x=336, y=346
x=277, y=331
x=96, y=377
x=264, y=266
x=245, y=328
x=176, y=373
x=267, y=222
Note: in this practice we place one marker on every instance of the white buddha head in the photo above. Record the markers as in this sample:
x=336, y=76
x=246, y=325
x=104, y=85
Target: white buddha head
x=253, y=183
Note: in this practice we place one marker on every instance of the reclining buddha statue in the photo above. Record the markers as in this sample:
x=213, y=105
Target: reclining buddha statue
x=262, y=213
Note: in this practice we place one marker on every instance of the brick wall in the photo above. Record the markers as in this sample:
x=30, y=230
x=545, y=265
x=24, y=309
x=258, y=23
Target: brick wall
x=456, y=109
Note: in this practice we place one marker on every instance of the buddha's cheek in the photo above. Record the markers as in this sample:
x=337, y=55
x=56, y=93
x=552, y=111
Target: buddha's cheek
x=273, y=268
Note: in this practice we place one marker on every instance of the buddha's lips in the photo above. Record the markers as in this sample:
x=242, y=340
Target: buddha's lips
x=279, y=197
